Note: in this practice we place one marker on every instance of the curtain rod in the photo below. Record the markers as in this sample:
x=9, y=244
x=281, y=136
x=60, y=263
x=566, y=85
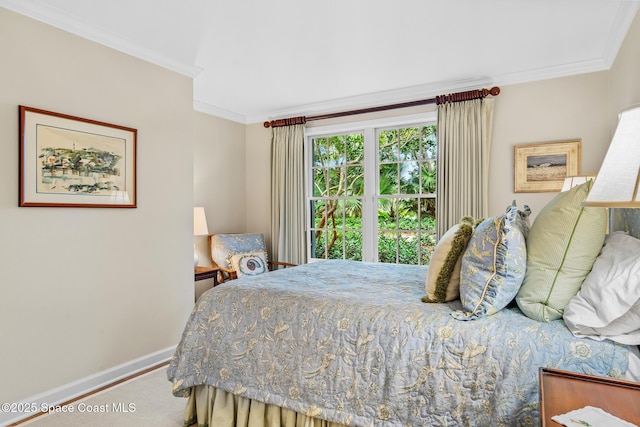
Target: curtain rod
x=441, y=99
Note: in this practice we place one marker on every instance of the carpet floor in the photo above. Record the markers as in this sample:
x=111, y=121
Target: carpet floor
x=142, y=401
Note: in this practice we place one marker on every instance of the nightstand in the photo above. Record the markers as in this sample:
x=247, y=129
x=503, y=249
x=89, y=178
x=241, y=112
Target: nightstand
x=561, y=392
x=202, y=273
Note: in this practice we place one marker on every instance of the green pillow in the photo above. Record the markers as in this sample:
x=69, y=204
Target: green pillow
x=562, y=246
x=443, y=275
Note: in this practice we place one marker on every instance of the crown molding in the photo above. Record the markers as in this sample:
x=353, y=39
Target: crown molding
x=624, y=18
x=626, y=13
x=51, y=15
x=204, y=107
x=395, y=96
x=546, y=73
x=410, y=93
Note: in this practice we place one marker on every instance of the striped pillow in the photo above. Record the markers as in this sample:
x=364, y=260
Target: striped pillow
x=562, y=246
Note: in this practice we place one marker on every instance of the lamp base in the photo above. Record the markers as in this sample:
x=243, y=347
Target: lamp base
x=196, y=259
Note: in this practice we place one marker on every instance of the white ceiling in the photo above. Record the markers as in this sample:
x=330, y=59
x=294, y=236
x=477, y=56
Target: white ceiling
x=254, y=60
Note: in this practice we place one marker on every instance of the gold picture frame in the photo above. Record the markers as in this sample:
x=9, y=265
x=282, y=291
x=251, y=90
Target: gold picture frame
x=542, y=167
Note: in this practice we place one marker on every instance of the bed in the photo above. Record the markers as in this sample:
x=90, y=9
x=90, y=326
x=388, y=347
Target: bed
x=358, y=347
x=347, y=343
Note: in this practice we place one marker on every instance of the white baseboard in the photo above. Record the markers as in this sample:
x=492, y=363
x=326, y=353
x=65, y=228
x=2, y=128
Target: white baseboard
x=86, y=385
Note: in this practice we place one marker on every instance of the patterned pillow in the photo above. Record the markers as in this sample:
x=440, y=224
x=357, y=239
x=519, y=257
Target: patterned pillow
x=249, y=263
x=223, y=246
x=443, y=276
x=494, y=264
x=564, y=242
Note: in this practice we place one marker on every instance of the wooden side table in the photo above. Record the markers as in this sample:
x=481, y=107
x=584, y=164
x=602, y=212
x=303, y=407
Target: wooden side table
x=561, y=392
x=202, y=273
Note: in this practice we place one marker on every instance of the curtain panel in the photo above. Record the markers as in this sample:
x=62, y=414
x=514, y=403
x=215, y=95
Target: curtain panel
x=288, y=240
x=464, y=142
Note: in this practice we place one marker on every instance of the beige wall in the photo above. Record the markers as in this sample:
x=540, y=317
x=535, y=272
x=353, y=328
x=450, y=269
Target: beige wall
x=219, y=184
x=550, y=110
x=258, y=184
x=218, y=181
x=84, y=290
x=625, y=74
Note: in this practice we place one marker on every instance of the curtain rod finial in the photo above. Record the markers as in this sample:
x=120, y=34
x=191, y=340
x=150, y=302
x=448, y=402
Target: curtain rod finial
x=495, y=91
x=286, y=122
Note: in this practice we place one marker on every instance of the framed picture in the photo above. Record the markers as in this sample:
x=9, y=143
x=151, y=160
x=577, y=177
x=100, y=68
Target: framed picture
x=68, y=161
x=543, y=167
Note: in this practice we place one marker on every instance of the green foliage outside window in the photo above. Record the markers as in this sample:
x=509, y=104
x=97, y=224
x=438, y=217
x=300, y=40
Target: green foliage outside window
x=406, y=206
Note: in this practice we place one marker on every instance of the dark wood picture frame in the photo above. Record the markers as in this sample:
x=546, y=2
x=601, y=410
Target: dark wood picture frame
x=68, y=161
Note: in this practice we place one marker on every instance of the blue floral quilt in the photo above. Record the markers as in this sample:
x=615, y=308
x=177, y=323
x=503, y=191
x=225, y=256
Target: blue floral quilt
x=353, y=343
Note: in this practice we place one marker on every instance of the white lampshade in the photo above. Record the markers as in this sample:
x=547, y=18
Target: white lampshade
x=572, y=181
x=199, y=229
x=199, y=222
x=617, y=183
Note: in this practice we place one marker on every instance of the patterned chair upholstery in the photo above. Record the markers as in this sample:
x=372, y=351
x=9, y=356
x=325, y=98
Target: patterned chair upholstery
x=241, y=254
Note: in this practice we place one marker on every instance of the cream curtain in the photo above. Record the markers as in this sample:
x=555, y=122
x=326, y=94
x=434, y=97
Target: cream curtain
x=288, y=242
x=464, y=142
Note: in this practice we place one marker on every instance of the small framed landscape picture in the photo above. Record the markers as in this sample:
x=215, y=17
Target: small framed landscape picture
x=542, y=167
x=68, y=161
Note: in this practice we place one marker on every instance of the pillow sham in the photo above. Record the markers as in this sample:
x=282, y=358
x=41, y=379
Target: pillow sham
x=608, y=303
x=443, y=275
x=564, y=241
x=249, y=263
x=224, y=245
x=494, y=264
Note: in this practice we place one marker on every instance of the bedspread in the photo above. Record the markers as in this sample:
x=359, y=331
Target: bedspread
x=352, y=342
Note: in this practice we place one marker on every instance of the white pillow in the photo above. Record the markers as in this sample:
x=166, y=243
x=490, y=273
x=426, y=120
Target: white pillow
x=249, y=263
x=608, y=303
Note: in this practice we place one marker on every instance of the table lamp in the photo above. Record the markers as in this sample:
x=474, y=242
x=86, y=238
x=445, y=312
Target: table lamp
x=617, y=183
x=199, y=229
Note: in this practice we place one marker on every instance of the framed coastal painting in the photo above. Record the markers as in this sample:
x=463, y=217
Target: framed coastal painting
x=542, y=167
x=68, y=161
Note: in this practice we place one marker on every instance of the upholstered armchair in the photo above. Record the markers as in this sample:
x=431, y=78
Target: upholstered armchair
x=241, y=255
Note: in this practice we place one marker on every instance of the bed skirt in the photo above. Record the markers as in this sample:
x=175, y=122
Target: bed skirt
x=211, y=407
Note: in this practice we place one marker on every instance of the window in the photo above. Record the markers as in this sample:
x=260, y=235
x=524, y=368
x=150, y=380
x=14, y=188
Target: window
x=371, y=192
